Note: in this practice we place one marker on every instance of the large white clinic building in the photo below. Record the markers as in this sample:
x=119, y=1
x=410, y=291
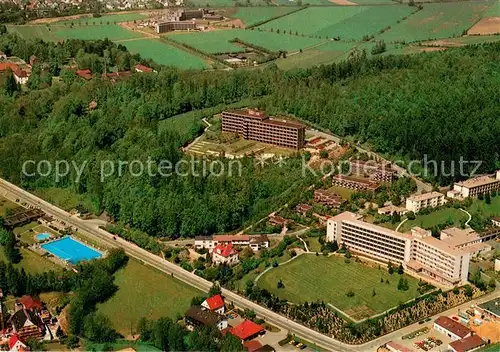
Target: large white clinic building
x=444, y=260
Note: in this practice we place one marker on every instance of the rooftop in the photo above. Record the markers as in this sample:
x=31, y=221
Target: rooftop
x=215, y=302
x=425, y=196
x=477, y=181
x=143, y=68
x=205, y=317
x=259, y=239
x=398, y=347
x=492, y=306
x=468, y=344
x=231, y=238
x=453, y=326
x=225, y=250
x=246, y=329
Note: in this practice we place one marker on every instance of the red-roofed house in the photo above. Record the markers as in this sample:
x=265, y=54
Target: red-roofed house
x=247, y=330
x=225, y=254
x=252, y=346
x=85, y=74
x=470, y=343
x=21, y=76
x=30, y=303
x=16, y=345
x=451, y=328
x=214, y=304
x=142, y=68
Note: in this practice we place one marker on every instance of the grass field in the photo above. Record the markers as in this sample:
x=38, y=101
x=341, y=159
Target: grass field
x=311, y=278
x=437, y=21
x=112, y=32
x=323, y=54
x=124, y=17
x=165, y=54
x=346, y=22
x=480, y=206
x=35, y=31
x=66, y=198
x=253, y=15
x=435, y=218
x=32, y=262
x=145, y=292
x=219, y=41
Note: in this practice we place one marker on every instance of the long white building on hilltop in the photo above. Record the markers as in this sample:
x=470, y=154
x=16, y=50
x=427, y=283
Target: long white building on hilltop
x=444, y=260
x=476, y=186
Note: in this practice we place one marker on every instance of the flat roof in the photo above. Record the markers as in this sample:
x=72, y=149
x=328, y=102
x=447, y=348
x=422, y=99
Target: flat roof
x=477, y=181
x=252, y=113
x=425, y=196
x=287, y=123
x=441, y=245
x=492, y=306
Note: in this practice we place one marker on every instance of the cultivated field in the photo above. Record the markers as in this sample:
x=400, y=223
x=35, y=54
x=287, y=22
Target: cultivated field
x=35, y=31
x=436, y=21
x=253, y=15
x=106, y=19
x=488, y=25
x=346, y=22
x=310, y=278
x=145, y=292
x=164, y=54
x=219, y=41
x=112, y=32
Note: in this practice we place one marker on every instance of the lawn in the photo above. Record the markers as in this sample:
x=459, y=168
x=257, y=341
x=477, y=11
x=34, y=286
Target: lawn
x=32, y=262
x=437, y=21
x=318, y=278
x=112, y=32
x=35, y=31
x=6, y=204
x=65, y=198
x=435, y=218
x=28, y=236
x=219, y=41
x=480, y=206
x=145, y=292
x=253, y=15
x=165, y=54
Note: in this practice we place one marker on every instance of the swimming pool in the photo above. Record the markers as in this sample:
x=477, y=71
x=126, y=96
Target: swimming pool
x=42, y=236
x=67, y=248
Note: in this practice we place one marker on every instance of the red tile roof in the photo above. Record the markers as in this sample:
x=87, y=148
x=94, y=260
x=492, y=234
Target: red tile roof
x=246, y=330
x=4, y=66
x=30, y=303
x=452, y=326
x=215, y=302
x=467, y=344
x=225, y=250
x=231, y=238
x=252, y=345
x=143, y=68
x=85, y=74
x=13, y=340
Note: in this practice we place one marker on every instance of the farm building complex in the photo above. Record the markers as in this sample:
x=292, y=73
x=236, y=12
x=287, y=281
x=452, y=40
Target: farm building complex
x=257, y=126
x=445, y=260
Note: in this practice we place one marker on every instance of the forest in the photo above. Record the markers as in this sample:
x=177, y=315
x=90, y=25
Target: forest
x=444, y=105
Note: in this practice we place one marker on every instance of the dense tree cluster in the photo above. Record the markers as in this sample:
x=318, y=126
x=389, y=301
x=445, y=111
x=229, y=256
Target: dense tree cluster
x=403, y=106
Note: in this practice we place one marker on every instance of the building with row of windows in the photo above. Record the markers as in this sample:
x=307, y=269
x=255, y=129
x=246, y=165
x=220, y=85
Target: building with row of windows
x=426, y=200
x=444, y=260
x=476, y=186
x=256, y=125
x=355, y=183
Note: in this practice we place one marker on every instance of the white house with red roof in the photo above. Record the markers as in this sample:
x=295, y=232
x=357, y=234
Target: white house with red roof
x=449, y=327
x=247, y=330
x=225, y=254
x=143, y=68
x=16, y=344
x=214, y=304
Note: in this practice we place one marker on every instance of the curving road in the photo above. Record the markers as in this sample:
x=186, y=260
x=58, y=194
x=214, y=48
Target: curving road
x=15, y=193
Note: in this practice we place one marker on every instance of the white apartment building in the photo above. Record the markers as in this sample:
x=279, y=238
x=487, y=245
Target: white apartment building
x=445, y=261
x=374, y=241
x=475, y=186
x=426, y=200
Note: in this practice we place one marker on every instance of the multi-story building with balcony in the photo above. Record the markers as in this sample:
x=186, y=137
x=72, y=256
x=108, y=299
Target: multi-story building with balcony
x=426, y=200
x=354, y=183
x=476, y=186
x=255, y=125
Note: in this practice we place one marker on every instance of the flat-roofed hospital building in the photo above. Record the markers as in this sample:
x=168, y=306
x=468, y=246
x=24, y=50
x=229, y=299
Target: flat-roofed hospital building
x=255, y=125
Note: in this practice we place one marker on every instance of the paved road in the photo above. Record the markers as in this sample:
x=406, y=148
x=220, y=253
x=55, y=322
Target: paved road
x=15, y=193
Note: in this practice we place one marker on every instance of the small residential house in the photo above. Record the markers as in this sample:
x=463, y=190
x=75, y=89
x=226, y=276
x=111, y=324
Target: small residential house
x=197, y=317
x=30, y=303
x=214, y=304
x=225, y=254
x=85, y=74
x=449, y=327
x=277, y=220
x=303, y=209
x=16, y=344
x=259, y=242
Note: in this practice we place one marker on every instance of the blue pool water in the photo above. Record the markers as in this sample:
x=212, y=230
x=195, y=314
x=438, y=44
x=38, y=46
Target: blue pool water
x=71, y=250
x=42, y=236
